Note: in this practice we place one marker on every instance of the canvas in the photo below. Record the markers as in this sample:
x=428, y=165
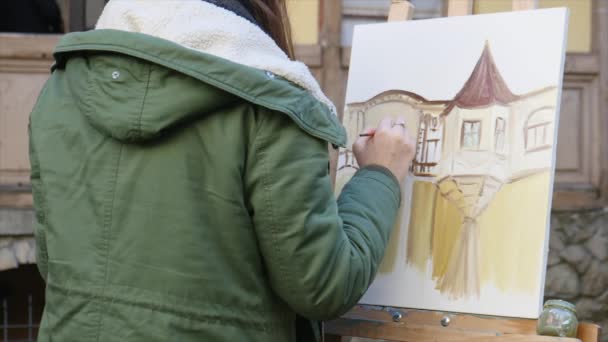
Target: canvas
x=481, y=97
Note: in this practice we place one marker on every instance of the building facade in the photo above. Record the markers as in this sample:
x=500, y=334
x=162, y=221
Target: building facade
x=578, y=258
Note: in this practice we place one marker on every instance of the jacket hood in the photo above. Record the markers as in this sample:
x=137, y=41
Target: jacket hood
x=160, y=84
x=150, y=81
x=133, y=100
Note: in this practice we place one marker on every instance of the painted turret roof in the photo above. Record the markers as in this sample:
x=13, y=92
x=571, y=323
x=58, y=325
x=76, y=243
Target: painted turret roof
x=484, y=87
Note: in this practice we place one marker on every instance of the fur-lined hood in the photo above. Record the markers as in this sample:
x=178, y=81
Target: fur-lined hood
x=207, y=28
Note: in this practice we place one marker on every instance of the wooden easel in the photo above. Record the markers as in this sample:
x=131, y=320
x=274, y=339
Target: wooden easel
x=400, y=324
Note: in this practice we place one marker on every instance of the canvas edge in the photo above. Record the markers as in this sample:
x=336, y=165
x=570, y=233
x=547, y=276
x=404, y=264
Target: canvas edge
x=544, y=266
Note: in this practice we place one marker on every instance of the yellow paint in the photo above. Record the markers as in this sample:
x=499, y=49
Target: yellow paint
x=508, y=246
x=512, y=234
x=492, y=6
x=392, y=250
x=461, y=278
x=447, y=229
x=579, y=28
x=342, y=178
x=447, y=187
x=304, y=17
x=421, y=224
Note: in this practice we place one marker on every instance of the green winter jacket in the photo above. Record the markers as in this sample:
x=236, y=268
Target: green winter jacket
x=183, y=197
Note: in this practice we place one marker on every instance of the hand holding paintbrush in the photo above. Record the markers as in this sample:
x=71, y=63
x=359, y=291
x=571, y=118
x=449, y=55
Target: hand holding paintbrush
x=368, y=134
x=389, y=145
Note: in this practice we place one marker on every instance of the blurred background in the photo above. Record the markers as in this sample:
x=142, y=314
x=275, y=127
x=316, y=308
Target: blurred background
x=322, y=32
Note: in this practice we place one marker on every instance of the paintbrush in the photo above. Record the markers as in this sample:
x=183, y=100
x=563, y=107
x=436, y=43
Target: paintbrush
x=368, y=134
x=371, y=134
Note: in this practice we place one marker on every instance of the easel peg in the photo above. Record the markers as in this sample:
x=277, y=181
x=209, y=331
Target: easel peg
x=400, y=10
x=445, y=321
x=396, y=316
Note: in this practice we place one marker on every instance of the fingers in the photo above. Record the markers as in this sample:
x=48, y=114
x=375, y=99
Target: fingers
x=390, y=146
x=399, y=125
x=367, y=134
x=385, y=124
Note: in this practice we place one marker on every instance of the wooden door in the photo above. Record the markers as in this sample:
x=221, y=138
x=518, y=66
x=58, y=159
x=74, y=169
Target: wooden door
x=582, y=155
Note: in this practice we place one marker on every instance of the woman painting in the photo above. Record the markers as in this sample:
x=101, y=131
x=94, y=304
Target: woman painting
x=180, y=173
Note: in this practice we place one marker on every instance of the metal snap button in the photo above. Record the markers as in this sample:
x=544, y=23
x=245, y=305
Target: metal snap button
x=270, y=74
x=115, y=75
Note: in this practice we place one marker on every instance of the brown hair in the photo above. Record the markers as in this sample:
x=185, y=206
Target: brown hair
x=272, y=16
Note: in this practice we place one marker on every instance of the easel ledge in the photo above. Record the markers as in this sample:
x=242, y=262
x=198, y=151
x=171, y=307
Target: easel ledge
x=408, y=325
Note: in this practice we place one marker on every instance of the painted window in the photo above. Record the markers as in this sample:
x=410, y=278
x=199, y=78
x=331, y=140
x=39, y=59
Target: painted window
x=499, y=135
x=536, y=136
x=538, y=130
x=471, y=134
x=346, y=159
x=428, y=148
x=432, y=148
x=420, y=142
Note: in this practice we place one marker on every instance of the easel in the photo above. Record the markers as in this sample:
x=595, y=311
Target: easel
x=399, y=324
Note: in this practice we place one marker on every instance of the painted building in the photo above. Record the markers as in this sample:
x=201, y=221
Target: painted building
x=483, y=137
x=478, y=123
x=468, y=149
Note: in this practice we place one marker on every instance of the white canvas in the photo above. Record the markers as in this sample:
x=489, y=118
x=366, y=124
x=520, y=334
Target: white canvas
x=481, y=97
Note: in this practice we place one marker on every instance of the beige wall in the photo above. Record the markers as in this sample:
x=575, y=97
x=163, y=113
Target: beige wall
x=18, y=93
x=579, y=28
x=24, y=67
x=492, y=6
x=304, y=17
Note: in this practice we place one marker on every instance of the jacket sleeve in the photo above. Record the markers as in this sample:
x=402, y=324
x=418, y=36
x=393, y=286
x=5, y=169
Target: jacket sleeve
x=39, y=224
x=321, y=254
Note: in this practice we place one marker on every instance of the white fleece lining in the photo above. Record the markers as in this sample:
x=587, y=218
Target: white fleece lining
x=207, y=28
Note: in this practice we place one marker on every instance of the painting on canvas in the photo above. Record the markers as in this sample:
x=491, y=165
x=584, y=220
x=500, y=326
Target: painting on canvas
x=481, y=95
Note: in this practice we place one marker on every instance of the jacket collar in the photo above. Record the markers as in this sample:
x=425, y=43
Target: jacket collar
x=204, y=27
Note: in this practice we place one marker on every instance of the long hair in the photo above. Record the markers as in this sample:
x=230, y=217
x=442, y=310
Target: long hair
x=272, y=16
